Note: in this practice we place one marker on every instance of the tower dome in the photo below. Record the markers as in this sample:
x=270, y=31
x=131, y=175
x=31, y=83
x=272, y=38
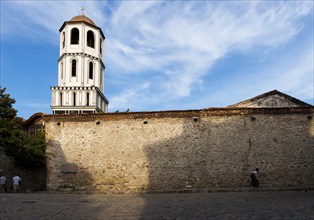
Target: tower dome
x=83, y=18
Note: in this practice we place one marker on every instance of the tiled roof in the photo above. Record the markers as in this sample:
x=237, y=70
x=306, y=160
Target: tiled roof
x=297, y=102
x=236, y=109
x=177, y=114
x=84, y=19
x=33, y=118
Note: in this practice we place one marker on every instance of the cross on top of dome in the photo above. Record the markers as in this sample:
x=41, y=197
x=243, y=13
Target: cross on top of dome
x=84, y=18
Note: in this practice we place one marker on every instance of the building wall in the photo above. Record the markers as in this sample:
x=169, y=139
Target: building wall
x=179, y=150
x=271, y=102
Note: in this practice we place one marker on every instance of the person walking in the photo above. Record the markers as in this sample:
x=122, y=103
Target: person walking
x=16, y=183
x=254, y=179
x=3, y=182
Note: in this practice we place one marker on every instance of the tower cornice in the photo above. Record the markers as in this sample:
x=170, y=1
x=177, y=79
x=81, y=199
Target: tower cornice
x=84, y=22
x=81, y=54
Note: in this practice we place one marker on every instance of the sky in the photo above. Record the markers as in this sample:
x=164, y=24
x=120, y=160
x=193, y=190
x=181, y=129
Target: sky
x=164, y=55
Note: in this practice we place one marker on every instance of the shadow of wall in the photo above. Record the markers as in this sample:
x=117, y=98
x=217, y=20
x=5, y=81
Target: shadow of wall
x=106, y=153
x=32, y=180
x=200, y=155
x=218, y=152
x=180, y=151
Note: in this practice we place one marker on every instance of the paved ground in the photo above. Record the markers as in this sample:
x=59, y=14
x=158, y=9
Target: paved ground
x=226, y=205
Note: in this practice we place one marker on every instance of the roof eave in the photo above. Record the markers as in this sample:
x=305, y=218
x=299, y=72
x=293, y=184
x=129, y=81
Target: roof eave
x=73, y=22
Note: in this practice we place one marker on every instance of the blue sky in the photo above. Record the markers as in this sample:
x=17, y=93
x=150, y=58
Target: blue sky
x=165, y=55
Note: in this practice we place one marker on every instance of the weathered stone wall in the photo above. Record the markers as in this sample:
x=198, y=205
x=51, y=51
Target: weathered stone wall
x=32, y=180
x=178, y=150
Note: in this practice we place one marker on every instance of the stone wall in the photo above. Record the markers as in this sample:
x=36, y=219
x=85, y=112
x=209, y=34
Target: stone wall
x=32, y=180
x=180, y=150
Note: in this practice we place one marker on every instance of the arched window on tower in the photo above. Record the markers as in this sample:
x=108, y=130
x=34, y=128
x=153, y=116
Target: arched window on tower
x=75, y=36
x=61, y=70
x=60, y=98
x=73, y=68
x=91, y=70
x=74, y=99
x=101, y=78
x=100, y=46
x=90, y=39
x=87, y=99
x=63, y=40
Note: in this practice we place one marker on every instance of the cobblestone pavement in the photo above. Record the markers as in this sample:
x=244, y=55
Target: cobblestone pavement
x=224, y=205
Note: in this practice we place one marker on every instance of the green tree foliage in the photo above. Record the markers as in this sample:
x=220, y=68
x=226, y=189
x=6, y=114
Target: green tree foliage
x=31, y=153
x=28, y=152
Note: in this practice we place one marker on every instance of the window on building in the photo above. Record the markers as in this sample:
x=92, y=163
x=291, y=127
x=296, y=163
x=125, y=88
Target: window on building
x=100, y=46
x=60, y=98
x=90, y=39
x=73, y=68
x=75, y=36
x=63, y=40
x=101, y=77
x=87, y=99
x=74, y=99
x=61, y=70
x=91, y=70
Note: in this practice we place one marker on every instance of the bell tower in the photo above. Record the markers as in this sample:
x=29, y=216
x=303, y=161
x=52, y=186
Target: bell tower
x=81, y=68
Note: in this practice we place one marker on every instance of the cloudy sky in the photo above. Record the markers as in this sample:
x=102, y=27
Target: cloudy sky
x=165, y=55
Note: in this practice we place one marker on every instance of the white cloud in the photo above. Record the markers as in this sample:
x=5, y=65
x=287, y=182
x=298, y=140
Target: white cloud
x=37, y=105
x=182, y=41
x=41, y=20
x=164, y=50
x=293, y=75
x=130, y=97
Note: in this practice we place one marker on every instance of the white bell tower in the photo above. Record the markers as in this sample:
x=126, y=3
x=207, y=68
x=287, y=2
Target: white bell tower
x=80, y=87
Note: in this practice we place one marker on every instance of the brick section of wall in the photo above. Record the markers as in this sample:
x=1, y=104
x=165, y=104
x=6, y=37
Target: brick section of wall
x=178, y=150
